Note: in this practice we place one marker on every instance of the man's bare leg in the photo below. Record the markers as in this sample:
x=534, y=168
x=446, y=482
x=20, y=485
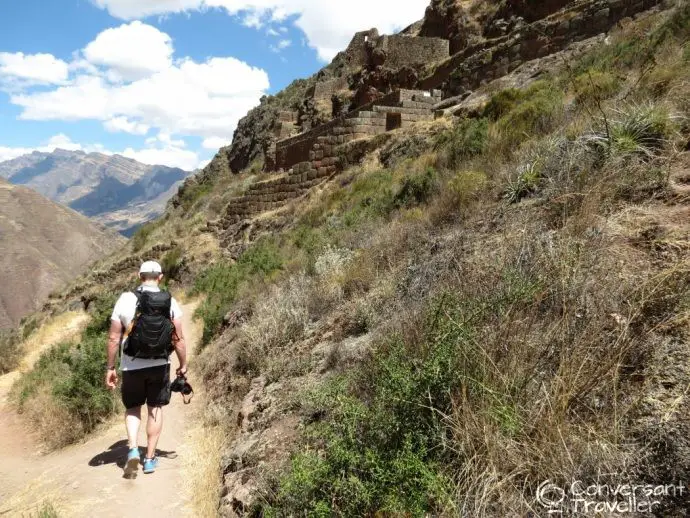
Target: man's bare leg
x=132, y=422
x=154, y=426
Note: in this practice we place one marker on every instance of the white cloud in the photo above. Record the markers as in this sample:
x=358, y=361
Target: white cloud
x=132, y=51
x=168, y=156
x=281, y=45
x=204, y=99
x=33, y=68
x=60, y=141
x=10, y=153
x=123, y=124
x=215, y=143
x=328, y=25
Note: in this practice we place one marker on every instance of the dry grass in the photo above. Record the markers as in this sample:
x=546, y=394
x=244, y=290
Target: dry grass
x=62, y=328
x=203, y=468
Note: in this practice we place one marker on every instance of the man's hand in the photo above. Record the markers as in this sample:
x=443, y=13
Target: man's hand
x=111, y=379
x=182, y=370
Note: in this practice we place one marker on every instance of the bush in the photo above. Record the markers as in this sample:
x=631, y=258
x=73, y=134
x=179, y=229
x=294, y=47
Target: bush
x=64, y=393
x=173, y=263
x=637, y=129
x=10, y=350
x=535, y=113
x=594, y=85
x=101, y=311
x=279, y=320
x=466, y=185
x=467, y=139
x=525, y=183
x=502, y=103
x=379, y=447
x=141, y=236
x=416, y=190
x=221, y=282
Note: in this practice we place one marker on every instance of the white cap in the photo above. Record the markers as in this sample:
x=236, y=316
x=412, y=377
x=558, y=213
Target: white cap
x=150, y=267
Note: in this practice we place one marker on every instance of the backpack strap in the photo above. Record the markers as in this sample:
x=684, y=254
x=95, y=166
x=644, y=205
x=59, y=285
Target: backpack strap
x=137, y=294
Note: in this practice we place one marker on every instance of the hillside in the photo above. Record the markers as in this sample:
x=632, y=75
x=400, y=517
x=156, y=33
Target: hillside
x=44, y=246
x=448, y=275
x=118, y=192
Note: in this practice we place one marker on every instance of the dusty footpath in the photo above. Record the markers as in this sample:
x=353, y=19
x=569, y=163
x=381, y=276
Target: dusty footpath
x=86, y=479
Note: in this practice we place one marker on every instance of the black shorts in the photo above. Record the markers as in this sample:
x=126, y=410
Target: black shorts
x=146, y=386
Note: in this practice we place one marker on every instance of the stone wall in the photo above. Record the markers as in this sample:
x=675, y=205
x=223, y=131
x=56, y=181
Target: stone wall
x=313, y=157
x=324, y=90
x=371, y=119
x=490, y=60
x=356, y=54
x=412, y=51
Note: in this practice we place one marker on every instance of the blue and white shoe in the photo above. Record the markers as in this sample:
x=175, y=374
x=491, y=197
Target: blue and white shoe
x=150, y=465
x=132, y=465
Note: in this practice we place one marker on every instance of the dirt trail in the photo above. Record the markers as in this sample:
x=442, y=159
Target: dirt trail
x=86, y=479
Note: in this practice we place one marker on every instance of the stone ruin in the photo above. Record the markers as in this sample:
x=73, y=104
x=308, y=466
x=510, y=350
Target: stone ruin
x=304, y=157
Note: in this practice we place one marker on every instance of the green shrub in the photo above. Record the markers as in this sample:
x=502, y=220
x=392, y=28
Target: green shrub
x=501, y=103
x=141, y=236
x=637, y=129
x=526, y=183
x=71, y=374
x=10, y=350
x=47, y=511
x=379, y=447
x=466, y=185
x=172, y=263
x=221, y=282
x=467, y=139
x=535, y=113
x=191, y=192
x=417, y=189
x=102, y=310
x=594, y=85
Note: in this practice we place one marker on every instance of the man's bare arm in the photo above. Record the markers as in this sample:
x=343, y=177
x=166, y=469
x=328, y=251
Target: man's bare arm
x=114, y=337
x=180, y=346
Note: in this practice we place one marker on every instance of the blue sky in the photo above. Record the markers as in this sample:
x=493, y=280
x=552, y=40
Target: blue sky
x=162, y=81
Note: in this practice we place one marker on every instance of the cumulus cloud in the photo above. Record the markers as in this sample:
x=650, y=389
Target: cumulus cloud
x=171, y=156
x=33, y=68
x=204, y=99
x=328, y=25
x=124, y=125
x=216, y=142
x=131, y=51
x=60, y=141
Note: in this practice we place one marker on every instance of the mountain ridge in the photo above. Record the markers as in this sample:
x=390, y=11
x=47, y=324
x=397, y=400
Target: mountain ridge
x=114, y=190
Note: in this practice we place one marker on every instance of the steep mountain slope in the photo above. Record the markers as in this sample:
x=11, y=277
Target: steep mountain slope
x=44, y=245
x=116, y=191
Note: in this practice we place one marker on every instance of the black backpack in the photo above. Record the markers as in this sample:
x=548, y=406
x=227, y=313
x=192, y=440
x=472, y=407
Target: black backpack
x=151, y=336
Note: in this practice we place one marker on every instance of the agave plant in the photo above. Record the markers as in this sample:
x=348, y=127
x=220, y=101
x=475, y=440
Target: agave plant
x=636, y=129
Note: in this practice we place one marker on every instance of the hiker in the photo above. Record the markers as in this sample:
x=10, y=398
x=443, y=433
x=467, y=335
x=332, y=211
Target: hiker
x=145, y=344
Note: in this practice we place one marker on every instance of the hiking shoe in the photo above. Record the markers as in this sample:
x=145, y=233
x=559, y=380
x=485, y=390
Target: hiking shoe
x=132, y=465
x=150, y=465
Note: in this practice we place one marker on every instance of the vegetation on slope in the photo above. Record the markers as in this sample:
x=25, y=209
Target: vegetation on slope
x=514, y=295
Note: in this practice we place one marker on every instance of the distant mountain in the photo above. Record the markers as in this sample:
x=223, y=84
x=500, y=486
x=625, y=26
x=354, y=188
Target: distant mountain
x=116, y=191
x=43, y=245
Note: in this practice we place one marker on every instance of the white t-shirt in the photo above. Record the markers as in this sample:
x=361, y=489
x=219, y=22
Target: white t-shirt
x=125, y=309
